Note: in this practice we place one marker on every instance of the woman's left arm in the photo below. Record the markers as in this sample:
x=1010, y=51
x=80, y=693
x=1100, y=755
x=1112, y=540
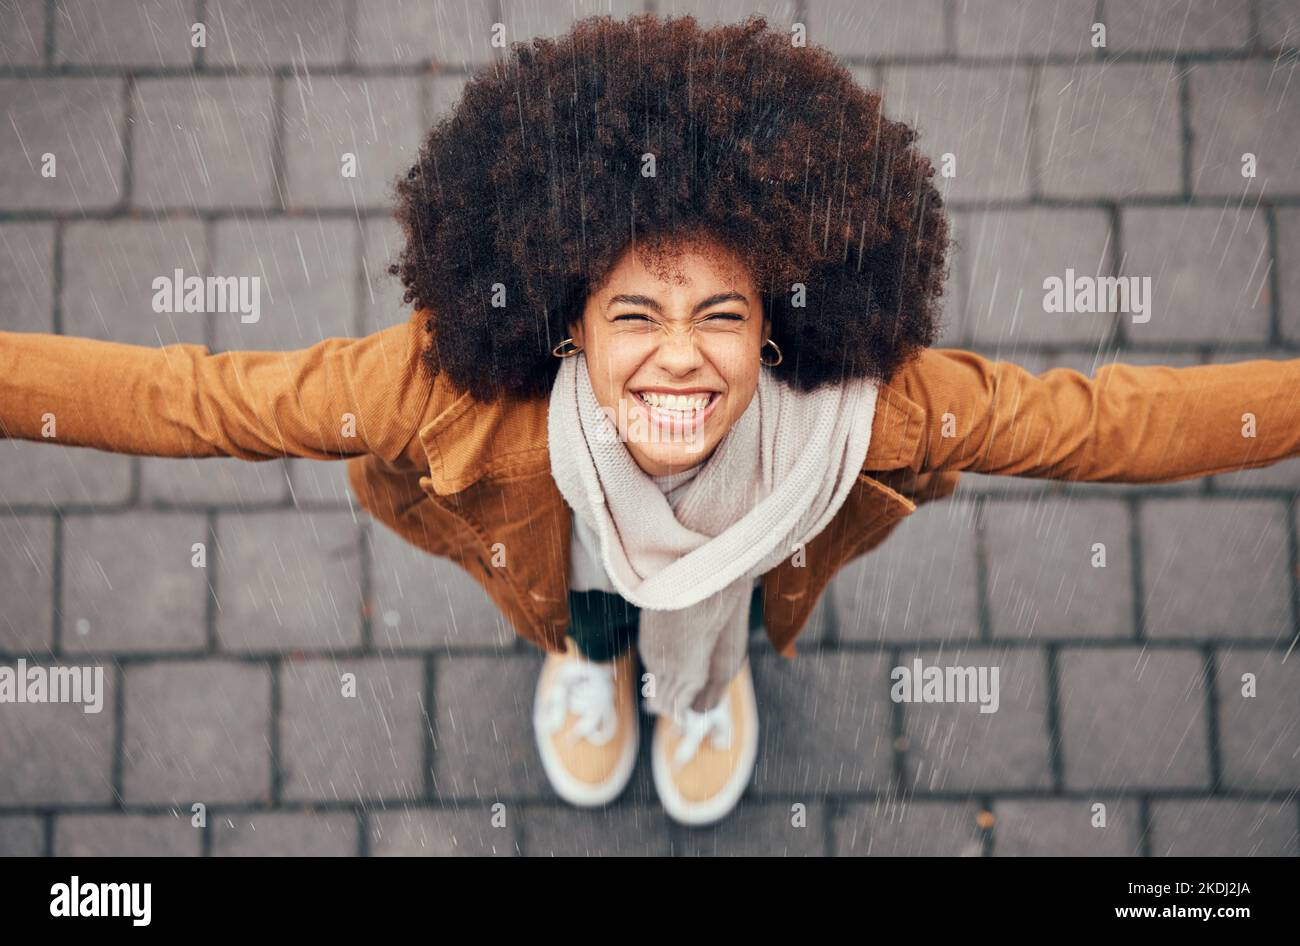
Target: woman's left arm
x=1128, y=424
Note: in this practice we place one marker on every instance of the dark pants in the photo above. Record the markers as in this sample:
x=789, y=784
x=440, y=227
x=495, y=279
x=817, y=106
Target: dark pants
x=604, y=625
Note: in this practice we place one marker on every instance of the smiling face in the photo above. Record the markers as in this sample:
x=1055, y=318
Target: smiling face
x=674, y=357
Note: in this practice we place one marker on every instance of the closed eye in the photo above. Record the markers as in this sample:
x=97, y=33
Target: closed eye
x=725, y=316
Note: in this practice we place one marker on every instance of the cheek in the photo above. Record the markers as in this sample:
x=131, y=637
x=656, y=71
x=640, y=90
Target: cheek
x=610, y=368
x=736, y=359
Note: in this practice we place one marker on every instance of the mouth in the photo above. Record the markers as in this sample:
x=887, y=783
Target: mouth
x=682, y=412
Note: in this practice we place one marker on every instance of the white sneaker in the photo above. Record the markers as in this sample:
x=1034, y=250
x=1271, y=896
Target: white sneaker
x=703, y=766
x=585, y=722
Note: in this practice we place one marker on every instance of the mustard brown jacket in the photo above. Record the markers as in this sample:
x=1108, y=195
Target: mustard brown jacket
x=455, y=476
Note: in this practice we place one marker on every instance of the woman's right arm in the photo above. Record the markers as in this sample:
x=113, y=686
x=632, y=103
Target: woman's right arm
x=339, y=398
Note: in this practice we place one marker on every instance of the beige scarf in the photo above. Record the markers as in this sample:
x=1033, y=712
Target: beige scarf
x=776, y=479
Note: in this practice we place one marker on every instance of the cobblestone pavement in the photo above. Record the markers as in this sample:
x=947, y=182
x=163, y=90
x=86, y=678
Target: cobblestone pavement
x=1121, y=685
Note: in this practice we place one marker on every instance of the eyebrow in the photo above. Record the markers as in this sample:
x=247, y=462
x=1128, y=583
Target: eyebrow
x=632, y=298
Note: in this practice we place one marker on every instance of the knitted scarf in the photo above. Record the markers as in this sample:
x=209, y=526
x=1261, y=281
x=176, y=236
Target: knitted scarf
x=775, y=480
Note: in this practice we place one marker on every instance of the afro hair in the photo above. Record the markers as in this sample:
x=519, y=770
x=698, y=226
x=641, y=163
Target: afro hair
x=525, y=196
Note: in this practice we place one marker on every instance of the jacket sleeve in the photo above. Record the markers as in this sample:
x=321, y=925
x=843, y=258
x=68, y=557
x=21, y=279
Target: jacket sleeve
x=1128, y=424
x=341, y=397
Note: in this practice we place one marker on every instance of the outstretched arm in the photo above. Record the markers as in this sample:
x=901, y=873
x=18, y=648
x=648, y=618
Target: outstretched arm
x=1128, y=424
x=339, y=398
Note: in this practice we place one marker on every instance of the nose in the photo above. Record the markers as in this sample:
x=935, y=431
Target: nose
x=679, y=352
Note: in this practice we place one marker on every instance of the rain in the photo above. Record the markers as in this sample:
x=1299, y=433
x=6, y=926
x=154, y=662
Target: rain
x=326, y=592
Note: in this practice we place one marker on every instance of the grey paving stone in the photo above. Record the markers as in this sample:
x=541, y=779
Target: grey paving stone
x=1177, y=26
x=1066, y=828
x=1007, y=256
x=213, y=480
x=978, y=114
x=79, y=121
x=253, y=35
x=619, y=831
x=1218, y=827
x=57, y=753
x=1046, y=579
x=197, y=731
x=1209, y=271
x=895, y=29
x=109, y=270
x=906, y=828
x=143, y=34
x=422, y=601
x=444, y=93
x=368, y=745
x=1109, y=131
x=1133, y=718
x=525, y=19
x=444, y=832
x=451, y=33
x=919, y=584
x=1025, y=28
x=381, y=298
x=284, y=834
x=203, y=142
x=307, y=270
x=376, y=120
x=1216, y=568
x=1283, y=475
x=760, y=830
x=22, y=32
x=121, y=835
x=1288, y=271
x=1239, y=107
x=484, y=750
x=1279, y=23
x=287, y=580
x=825, y=725
x=956, y=746
x=129, y=583
x=1258, y=735
x=27, y=277
x=320, y=482
x=49, y=473
x=27, y=584
x=22, y=836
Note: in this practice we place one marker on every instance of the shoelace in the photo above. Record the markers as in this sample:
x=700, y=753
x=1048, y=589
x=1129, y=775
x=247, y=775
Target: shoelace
x=714, y=723
x=587, y=689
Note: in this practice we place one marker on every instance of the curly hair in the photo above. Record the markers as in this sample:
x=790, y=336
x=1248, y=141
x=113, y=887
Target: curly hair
x=534, y=186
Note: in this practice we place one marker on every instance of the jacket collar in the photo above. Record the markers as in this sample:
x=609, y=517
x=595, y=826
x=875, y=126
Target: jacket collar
x=471, y=439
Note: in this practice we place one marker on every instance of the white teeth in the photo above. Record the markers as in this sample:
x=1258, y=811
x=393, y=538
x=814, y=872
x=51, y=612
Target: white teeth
x=676, y=402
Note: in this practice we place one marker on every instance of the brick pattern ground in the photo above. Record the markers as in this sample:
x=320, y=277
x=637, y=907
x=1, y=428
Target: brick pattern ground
x=1122, y=730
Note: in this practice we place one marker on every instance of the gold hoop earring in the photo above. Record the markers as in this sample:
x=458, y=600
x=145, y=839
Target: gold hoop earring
x=779, y=356
x=565, y=354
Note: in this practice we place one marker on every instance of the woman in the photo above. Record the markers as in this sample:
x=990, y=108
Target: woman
x=669, y=368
